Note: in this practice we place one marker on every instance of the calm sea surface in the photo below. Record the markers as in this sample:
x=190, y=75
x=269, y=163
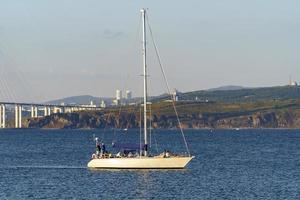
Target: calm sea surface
x=229, y=164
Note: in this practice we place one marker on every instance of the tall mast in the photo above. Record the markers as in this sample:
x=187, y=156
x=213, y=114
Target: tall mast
x=143, y=11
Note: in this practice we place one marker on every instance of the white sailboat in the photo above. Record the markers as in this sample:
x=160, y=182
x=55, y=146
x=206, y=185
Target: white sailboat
x=142, y=160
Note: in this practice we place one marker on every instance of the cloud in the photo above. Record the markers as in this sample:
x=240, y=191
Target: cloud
x=86, y=73
x=1, y=29
x=110, y=34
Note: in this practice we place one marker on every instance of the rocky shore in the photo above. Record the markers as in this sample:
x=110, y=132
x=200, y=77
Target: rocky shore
x=274, y=114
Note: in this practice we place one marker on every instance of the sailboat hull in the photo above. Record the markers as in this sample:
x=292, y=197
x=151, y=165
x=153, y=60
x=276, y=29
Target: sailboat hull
x=140, y=163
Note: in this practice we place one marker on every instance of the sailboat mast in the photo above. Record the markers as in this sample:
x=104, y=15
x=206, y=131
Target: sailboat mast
x=143, y=11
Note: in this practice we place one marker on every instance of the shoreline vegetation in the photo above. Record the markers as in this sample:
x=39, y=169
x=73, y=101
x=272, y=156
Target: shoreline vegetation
x=193, y=115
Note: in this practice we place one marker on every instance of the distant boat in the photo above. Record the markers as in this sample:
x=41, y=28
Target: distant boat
x=132, y=156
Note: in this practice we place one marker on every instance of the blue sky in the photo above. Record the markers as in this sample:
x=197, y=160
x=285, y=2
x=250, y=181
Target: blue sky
x=56, y=48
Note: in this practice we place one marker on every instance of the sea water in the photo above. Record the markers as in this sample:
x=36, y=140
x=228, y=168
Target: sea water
x=229, y=164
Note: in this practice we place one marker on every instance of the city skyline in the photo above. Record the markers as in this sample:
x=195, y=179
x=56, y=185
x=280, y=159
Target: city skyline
x=55, y=49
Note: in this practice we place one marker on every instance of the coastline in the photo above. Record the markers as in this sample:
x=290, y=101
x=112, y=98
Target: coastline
x=283, y=114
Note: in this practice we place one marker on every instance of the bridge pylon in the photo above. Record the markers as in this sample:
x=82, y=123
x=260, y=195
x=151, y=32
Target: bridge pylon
x=47, y=110
x=18, y=116
x=34, y=111
x=2, y=116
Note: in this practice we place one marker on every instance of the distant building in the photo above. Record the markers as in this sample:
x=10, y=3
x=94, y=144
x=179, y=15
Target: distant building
x=128, y=95
x=291, y=82
x=294, y=83
x=103, y=104
x=118, y=94
x=90, y=105
x=118, y=99
x=175, y=95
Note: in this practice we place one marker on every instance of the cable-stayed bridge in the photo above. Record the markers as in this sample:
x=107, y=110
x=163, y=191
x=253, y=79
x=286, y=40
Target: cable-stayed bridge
x=35, y=110
x=16, y=89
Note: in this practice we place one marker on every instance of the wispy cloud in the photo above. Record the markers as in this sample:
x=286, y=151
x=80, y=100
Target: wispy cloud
x=1, y=29
x=91, y=74
x=111, y=34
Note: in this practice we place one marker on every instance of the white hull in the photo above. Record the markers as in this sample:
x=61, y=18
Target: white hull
x=140, y=163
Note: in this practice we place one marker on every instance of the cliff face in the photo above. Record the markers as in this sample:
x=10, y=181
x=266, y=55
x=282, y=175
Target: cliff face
x=265, y=119
x=84, y=120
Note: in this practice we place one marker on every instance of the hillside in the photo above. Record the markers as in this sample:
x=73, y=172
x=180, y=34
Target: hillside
x=227, y=87
x=245, y=95
x=82, y=99
x=220, y=94
x=266, y=114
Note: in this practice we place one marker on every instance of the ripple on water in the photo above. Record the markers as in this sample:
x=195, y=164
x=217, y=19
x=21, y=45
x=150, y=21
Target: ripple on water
x=250, y=164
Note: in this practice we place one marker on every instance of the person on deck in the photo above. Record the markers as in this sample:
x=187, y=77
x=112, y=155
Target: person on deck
x=98, y=147
x=103, y=148
x=165, y=153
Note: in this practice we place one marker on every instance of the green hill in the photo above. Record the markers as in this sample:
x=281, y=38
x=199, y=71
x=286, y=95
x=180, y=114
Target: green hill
x=270, y=107
x=260, y=114
x=244, y=95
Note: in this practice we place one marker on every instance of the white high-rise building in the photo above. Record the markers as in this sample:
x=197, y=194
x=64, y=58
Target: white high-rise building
x=128, y=94
x=118, y=99
x=118, y=94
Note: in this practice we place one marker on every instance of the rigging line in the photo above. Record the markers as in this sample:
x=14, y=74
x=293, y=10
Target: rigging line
x=150, y=124
x=114, y=126
x=140, y=105
x=167, y=85
x=156, y=146
x=119, y=114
